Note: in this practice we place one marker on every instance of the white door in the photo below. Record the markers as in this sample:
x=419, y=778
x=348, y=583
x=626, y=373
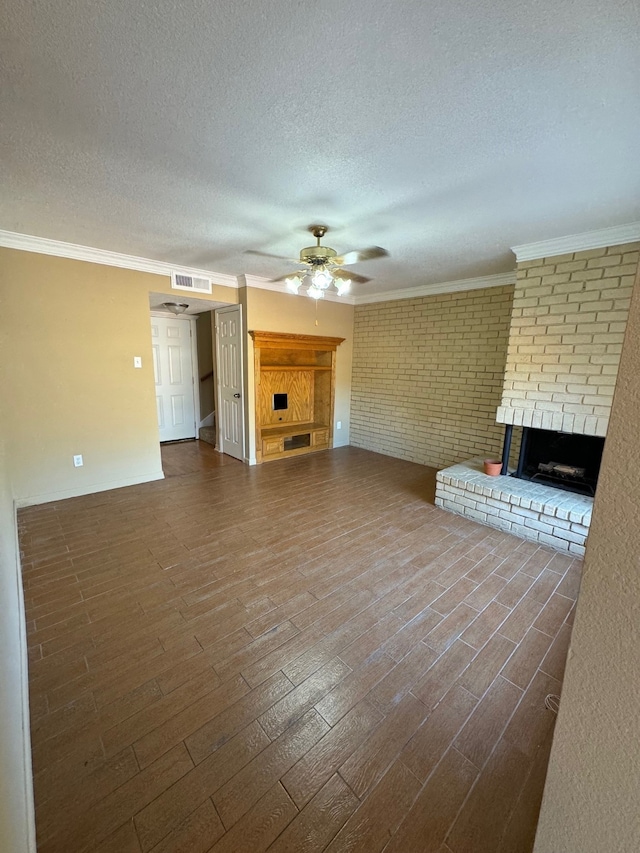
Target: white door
x=173, y=371
x=230, y=389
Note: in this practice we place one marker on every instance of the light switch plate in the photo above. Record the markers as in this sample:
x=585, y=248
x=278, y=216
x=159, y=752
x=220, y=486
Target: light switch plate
x=137, y=361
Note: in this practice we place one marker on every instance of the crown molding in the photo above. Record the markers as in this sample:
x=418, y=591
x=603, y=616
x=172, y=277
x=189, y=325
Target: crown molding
x=280, y=287
x=614, y=236
x=498, y=280
x=44, y=246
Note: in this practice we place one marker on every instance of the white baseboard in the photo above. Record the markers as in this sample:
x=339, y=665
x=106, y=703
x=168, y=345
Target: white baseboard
x=89, y=489
x=340, y=442
x=209, y=421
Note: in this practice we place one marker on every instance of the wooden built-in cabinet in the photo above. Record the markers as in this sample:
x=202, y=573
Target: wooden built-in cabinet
x=295, y=386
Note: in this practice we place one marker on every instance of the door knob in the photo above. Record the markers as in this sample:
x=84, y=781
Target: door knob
x=237, y=396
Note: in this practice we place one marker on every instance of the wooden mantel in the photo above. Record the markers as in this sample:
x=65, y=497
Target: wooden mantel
x=282, y=340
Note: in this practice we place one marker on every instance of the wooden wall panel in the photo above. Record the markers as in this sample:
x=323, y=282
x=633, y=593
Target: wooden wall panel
x=298, y=385
x=323, y=393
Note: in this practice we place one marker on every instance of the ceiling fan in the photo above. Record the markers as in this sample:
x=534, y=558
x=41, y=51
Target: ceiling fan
x=323, y=266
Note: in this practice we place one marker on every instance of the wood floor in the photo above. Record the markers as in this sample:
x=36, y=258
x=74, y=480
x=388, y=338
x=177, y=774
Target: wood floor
x=301, y=656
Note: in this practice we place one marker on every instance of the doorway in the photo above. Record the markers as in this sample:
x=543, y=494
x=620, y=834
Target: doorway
x=173, y=369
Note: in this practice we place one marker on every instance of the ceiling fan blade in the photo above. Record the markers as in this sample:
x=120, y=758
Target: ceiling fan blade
x=351, y=276
x=359, y=255
x=267, y=255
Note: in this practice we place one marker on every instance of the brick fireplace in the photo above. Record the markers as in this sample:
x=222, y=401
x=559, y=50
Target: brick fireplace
x=567, y=461
x=567, y=327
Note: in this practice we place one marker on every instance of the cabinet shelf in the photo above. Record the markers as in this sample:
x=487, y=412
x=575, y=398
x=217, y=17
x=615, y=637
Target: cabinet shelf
x=291, y=429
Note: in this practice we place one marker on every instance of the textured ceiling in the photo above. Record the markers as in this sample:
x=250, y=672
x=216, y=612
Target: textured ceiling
x=444, y=130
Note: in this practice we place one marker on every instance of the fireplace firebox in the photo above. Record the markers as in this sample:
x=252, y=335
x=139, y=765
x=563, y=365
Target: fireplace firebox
x=563, y=460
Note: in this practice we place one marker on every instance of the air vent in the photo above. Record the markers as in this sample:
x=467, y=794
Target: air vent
x=183, y=281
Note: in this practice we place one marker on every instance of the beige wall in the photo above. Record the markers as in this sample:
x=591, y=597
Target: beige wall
x=567, y=328
x=69, y=331
x=268, y=311
x=427, y=375
x=592, y=797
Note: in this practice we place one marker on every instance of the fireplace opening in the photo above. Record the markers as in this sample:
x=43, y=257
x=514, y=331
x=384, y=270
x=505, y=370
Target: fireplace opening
x=560, y=459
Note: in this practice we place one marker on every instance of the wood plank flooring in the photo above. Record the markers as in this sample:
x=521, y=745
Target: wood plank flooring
x=301, y=656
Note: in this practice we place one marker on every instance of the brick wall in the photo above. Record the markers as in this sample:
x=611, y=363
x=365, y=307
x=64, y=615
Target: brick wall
x=569, y=319
x=428, y=375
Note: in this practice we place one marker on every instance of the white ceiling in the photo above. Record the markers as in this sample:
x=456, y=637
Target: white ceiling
x=157, y=302
x=444, y=130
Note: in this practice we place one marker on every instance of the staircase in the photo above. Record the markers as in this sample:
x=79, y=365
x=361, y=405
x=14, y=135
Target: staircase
x=207, y=434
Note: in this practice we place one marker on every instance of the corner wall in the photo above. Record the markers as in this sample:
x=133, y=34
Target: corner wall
x=590, y=801
x=268, y=311
x=17, y=830
x=428, y=374
x=567, y=329
x=69, y=331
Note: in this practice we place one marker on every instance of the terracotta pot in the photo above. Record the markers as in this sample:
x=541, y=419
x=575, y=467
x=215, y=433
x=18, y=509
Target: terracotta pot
x=492, y=467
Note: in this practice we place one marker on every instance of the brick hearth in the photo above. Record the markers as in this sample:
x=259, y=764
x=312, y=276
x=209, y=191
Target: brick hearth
x=539, y=513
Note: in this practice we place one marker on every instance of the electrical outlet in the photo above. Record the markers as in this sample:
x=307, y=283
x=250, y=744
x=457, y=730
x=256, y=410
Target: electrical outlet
x=77, y=461
x=137, y=361
x=339, y=425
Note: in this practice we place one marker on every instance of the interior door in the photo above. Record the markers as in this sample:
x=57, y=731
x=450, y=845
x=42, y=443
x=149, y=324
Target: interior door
x=173, y=372
x=230, y=387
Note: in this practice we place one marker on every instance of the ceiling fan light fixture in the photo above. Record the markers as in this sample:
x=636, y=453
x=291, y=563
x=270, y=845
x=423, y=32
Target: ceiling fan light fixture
x=315, y=292
x=322, y=268
x=293, y=283
x=322, y=278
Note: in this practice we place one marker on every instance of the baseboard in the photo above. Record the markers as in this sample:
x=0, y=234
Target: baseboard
x=89, y=489
x=209, y=421
x=340, y=442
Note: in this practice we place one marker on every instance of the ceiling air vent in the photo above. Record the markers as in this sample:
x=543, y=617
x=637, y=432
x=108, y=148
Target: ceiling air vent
x=184, y=281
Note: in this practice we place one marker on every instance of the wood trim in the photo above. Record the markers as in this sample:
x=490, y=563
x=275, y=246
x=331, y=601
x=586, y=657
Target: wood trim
x=333, y=397
x=284, y=367
x=291, y=429
x=256, y=403
x=280, y=340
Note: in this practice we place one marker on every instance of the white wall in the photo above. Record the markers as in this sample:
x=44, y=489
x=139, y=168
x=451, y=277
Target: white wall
x=16, y=797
